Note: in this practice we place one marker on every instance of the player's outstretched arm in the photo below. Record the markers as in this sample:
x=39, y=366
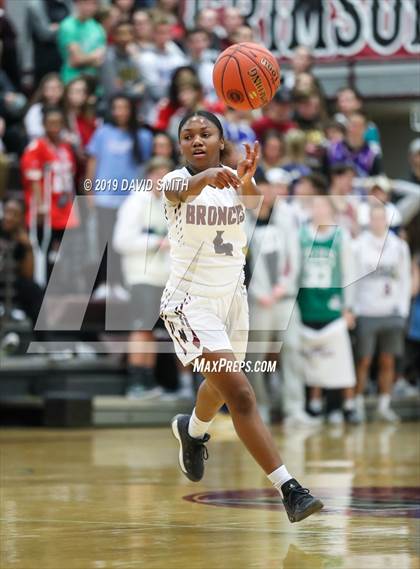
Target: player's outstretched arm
x=216, y=177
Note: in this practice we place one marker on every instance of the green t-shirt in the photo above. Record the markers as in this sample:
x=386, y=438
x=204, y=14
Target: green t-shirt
x=320, y=297
x=88, y=34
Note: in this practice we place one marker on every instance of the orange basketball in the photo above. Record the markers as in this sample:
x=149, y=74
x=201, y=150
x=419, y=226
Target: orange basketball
x=246, y=76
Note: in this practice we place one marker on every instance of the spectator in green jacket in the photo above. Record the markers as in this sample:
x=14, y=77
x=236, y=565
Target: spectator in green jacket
x=81, y=40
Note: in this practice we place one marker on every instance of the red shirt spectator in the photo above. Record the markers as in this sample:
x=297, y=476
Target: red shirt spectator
x=167, y=111
x=48, y=160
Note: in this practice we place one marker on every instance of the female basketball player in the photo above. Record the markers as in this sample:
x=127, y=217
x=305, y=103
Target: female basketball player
x=204, y=305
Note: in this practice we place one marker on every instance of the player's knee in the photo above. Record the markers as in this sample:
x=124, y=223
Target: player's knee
x=243, y=402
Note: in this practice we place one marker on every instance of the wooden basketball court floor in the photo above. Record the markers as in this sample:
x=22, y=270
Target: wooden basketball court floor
x=100, y=499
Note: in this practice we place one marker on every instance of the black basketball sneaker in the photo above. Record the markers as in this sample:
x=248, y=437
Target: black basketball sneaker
x=298, y=502
x=192, y=452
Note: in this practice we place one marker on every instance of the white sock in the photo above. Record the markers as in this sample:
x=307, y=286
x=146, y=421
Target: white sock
x=349, y=404
x=279, y=476
x=384, y=401
x=315, y=405
x=196, y=428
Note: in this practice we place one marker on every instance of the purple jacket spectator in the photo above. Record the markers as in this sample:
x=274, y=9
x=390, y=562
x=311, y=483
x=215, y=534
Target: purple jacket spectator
x=365, y=159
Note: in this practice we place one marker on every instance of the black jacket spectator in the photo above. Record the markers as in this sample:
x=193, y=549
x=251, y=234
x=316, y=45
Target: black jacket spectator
x=43, y=19
x=8, y=53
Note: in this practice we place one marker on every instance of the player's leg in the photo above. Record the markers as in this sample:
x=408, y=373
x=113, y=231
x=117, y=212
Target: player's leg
x=191, y=430
x=239, y=396
x=209, y=401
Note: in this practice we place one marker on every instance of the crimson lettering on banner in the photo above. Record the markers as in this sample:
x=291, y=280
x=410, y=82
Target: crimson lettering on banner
x=360, y=29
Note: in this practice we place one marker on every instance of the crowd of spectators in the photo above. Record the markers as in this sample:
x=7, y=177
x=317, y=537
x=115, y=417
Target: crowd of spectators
x=111, y=82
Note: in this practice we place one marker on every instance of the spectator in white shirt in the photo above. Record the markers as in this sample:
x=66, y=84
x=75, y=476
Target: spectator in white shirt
x=379, y=192
x=158, y=64
x=274, y=261
x=143, y=30
x=197, y=43
x=382, y=301
x=140, y=236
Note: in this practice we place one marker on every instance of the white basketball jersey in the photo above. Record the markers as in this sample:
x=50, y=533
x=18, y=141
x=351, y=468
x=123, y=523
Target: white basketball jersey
x=208, y=239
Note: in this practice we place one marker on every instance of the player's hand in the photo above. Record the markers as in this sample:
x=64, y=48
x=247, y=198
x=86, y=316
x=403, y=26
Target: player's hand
x=246, y=168
x=222, y=178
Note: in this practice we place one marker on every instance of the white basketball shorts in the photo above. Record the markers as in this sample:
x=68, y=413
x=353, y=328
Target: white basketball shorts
x=196, y=323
